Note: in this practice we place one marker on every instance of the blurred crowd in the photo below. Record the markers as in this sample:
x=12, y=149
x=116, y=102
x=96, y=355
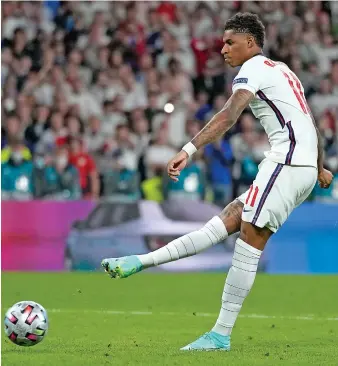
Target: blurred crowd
x=97, y=96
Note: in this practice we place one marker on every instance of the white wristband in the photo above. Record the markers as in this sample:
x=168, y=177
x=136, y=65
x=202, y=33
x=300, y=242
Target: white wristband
x=189, y=148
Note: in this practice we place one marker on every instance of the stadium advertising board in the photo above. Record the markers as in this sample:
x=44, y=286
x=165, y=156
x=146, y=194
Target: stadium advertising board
x=57, y=236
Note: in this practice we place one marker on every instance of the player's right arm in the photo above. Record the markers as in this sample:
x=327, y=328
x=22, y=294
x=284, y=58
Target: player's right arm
x=244, y=88
x=220, y=123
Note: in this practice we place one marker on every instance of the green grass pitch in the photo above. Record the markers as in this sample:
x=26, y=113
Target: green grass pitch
x=145, y=319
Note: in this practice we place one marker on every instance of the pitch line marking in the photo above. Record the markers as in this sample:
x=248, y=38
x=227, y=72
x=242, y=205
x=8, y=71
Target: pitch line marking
x=136, y=312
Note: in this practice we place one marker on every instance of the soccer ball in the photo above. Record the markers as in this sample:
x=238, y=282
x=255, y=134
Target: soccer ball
x=26, y=323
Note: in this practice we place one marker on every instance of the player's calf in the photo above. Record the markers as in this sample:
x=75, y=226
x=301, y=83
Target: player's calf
x=214, y=231
x=241, y=275
x=187, y=245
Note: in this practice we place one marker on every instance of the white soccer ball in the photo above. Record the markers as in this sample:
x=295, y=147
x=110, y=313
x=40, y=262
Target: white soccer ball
x=26, y=323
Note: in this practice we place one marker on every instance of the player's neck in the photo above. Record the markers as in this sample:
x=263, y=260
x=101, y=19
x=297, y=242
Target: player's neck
x=258, y=52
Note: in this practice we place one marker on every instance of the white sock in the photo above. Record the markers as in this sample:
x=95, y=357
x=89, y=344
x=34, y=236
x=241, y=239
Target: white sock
x=212, y=233
x=238, y=284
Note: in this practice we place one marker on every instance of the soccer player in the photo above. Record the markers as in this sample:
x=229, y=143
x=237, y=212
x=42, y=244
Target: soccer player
x=285, y=178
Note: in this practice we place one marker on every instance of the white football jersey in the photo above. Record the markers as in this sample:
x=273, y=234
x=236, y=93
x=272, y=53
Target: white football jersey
x=282, y=110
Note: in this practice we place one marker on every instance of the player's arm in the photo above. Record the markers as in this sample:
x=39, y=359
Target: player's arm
x=325, y=177
x=220, y=123
x=320, y=146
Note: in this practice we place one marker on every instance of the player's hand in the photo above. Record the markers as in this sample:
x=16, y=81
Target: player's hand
x=177, y=164
x=325, y=178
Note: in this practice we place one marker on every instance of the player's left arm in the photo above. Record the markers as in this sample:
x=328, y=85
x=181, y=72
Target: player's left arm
x=325, y=177
x=222, y=121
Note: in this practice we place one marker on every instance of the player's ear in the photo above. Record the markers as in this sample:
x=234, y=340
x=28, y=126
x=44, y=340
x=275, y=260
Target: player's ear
x=251, y=41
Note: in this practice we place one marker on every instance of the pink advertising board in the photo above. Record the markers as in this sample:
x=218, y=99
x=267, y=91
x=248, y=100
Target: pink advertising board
x=33, y=233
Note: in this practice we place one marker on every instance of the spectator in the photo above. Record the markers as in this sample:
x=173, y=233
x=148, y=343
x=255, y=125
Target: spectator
x=204, y=108
x=178, y=82
x=56, y=130
x=133, y=93
x=120, y=174
x=326, y=52
x=171, y=49
x=74, y=126
x=115, y=61
x=58, y=180
x=94, y=138
x=16, y=173
x=98, y=60
x=289, y=20
x=154, y=39
x=220, y=159
x=61, y=105
x=101, y=82
x=34, y=131
x=141, y=139
x=179, y=27
x=10, y=129
x=86, y=102
x=11, y=140
x=167, y=10
x=113, y=115
x=324, y=99
x=307, y=48
x=154, y=109
x=75, y=58
x=6, y=61
x=124, y=154
x=133, y=29
x=141, y=135
x=89, y=180
x=146, y=64
x=210, y=66
x=202, y=21
x=159, y=153
x=334, y=77
x=19, y=43
x=175, y=121
x=217, y=105
x=327, y=128
x=309, y=75
x=246, y=162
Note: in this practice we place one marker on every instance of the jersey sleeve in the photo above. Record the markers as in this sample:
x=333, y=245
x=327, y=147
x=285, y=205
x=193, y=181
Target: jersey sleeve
x=249, y=78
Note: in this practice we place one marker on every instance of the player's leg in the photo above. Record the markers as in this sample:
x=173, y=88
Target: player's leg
x=252, y=239
x=245, y=260
x=241, y=276
x=214, y=231
x=238, y=284
x=274, y=194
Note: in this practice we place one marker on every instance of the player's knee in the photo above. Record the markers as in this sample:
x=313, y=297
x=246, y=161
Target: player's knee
x=232, y=216
x=255, y=236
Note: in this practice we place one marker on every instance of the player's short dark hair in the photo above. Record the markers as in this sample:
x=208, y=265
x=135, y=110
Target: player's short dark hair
x=247, y=23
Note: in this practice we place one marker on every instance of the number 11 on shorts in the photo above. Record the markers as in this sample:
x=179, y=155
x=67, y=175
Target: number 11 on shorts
x=252, y=196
